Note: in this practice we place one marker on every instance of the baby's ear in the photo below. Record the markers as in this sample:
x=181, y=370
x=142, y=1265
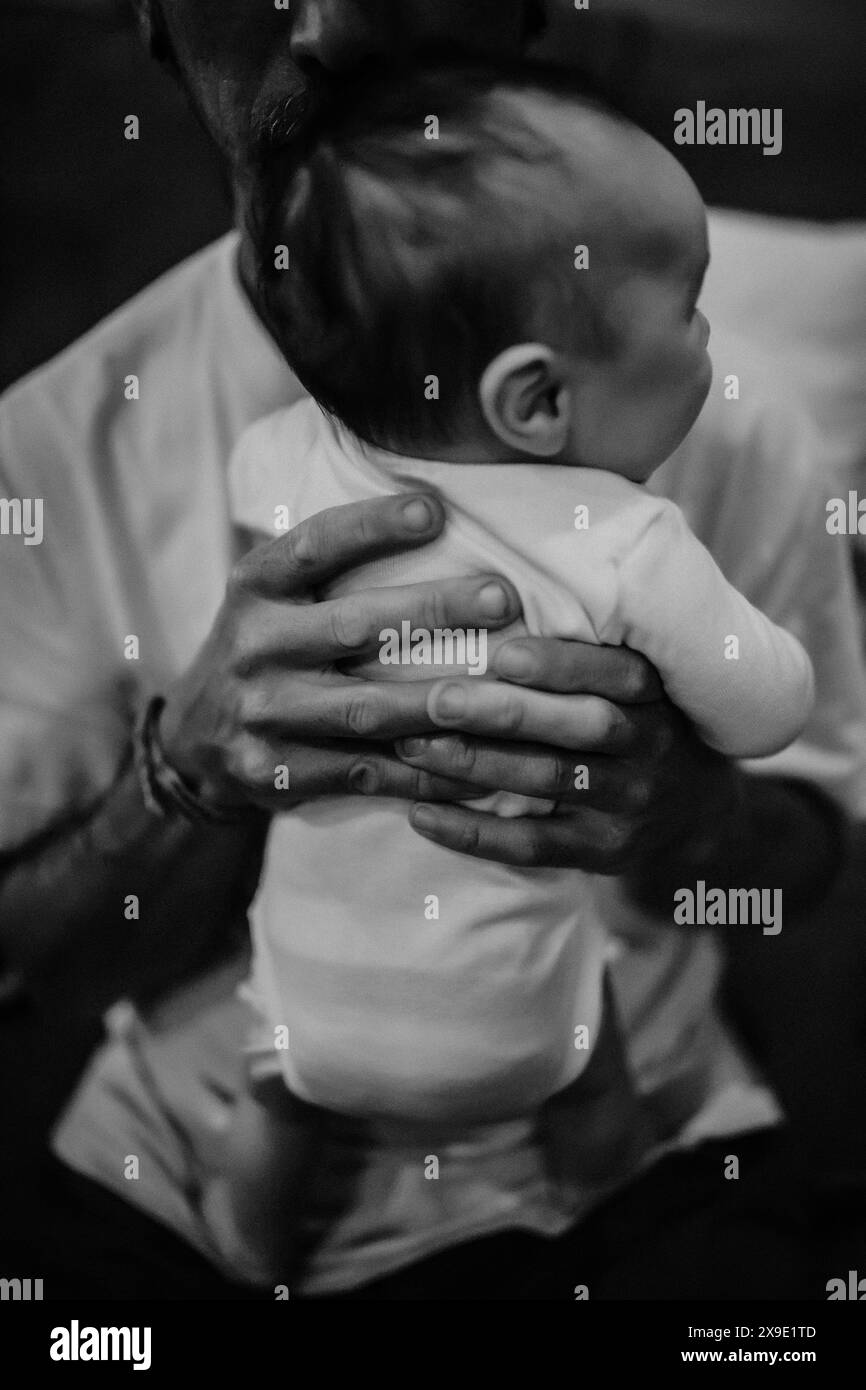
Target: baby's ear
x=525, y=400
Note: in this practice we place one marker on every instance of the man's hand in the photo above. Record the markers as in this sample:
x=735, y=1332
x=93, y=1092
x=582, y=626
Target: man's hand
x=587, y=727
x=266, y=690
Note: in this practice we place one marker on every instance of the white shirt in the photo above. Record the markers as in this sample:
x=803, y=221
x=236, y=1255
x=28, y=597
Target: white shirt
x=138, y=541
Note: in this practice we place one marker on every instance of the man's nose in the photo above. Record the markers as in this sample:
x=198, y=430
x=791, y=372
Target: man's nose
x=338, y=35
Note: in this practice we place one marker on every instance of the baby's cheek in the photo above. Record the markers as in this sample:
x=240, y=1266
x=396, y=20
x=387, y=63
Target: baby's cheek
x=656, y=360
x=679, y=369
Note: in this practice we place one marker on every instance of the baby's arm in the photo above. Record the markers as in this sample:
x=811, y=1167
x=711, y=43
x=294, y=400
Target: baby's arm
x=745, y=683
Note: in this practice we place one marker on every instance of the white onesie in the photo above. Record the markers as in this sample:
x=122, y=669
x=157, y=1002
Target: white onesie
x=415, y=982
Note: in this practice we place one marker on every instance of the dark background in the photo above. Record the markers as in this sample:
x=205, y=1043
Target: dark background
x=88, y=218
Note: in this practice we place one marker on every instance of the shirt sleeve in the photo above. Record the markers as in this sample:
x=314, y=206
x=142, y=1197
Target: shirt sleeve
x=812, y=593
x=755, y=491
x=64, y=705
x=745, y=683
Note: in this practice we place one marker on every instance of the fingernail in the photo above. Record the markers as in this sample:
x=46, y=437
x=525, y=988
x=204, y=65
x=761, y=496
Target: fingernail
x=423, y=817
x=413, y=747
x=494, y=601
x=417, y=515
x=514, y=662
x=450, y=702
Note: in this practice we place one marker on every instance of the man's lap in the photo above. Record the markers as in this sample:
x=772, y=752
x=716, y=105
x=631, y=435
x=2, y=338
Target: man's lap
x=681, y=1230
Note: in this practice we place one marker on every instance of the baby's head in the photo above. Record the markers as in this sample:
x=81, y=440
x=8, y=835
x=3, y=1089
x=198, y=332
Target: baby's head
x=436, y=300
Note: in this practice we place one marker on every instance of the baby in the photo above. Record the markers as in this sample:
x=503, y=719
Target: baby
x=490, y=291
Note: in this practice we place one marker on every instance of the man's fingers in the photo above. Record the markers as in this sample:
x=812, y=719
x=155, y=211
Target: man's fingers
x=588, y=840
x=339, y=629
x=529, y=770
x=492, y=709
x=381, y=775
x=578, y=668
x=339, y=539
x=343, y=708
x=280, y=778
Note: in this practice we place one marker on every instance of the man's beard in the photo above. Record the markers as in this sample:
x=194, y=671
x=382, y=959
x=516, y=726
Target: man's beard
x=285, y=120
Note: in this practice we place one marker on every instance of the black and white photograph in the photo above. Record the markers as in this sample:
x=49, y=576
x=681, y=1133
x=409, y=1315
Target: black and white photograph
x=432, y=670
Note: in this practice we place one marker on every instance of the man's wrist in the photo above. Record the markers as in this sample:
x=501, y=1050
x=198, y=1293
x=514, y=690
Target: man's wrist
x=165, y=789
x=194, y=763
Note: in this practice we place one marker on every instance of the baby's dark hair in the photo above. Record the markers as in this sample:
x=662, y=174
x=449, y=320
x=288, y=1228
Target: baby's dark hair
x=423, y=236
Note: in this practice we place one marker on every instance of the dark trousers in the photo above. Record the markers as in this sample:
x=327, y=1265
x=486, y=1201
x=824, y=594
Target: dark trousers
x=681, y=1230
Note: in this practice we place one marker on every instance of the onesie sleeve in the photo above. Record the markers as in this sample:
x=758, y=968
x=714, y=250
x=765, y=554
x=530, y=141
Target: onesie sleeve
x=745, y=683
